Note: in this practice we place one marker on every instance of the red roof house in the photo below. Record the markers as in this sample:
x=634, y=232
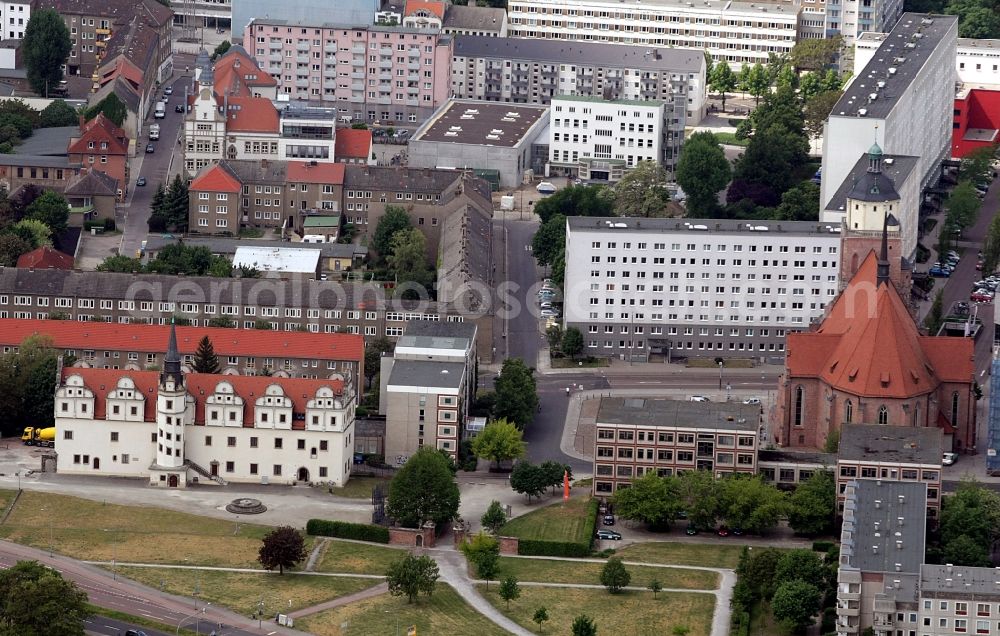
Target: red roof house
x=353, y=146
x=45, y=257
x=103, y=147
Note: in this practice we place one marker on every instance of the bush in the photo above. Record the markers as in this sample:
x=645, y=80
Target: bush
x=740, y=624
x=345, y=530
x=829, y=621
x=533, y=547
x=109, y=225
x=822, y=546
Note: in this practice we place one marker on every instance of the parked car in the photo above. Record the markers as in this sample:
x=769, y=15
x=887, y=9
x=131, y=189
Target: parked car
x=135, y=632
x=608, y=520
x=168, y=90
x=699, y=398
x=549, y=313
x=545, y=305
x=981, y=297
x=752, y=400
x=141, y=181
x=723, y=531
x=691, y=530
x=609, y=535
x=949, y=458
x=939, y=272
x=179, y=108
x=150, y=148
x=546, y=187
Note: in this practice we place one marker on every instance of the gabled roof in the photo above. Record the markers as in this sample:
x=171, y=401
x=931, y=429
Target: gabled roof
x=252, y=114
x=868, y=345
x=353, y=143
x=141, y=338
x=237, y=72
x=199, y=386
x=216, y=178
x=45, y=257
x=433, y=7
x=92, y=183
x=320, y=172
x=100, y=129
x=461, y=16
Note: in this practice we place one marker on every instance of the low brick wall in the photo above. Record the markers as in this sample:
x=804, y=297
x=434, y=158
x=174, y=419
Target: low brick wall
x=412, y=537
x=508, y=545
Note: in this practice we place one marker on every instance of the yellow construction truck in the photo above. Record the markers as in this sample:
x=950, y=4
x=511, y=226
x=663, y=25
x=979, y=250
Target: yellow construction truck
x=39, y=436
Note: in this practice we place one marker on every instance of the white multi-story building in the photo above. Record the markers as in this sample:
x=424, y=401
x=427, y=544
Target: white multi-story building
x=600, y=140
x=905, y=85
x=533, y=71
x=851, y=18
x=14, y=15
x=637, y=286
x=732, y=31
x=173, y=428
x=977, y=62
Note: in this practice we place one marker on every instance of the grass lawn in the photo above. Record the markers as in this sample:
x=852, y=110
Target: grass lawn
x=92, y=530
x=730, y=139
x=564, y=521
x=5, y=497
x=361, y=487
x=631, y=613
x=443, y=613
x=709, y=555
x=545, y=571
x=242, y=591
x=356, y=558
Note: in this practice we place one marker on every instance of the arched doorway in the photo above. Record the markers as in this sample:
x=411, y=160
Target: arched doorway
x=172, y=481
x=97, y=463
x=303, y=474
x=420, y=540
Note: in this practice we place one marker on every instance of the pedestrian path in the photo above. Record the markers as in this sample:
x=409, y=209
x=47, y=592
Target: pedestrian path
x=371, y=592
x=212, y=568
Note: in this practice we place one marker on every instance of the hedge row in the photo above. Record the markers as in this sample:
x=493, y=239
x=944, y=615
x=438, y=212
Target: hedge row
x=534, y=547
x=345, y=530
x=823, y=546
x=740, y=624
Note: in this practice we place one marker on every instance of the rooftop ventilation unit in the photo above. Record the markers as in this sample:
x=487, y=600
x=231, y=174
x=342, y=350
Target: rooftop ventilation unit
x=496, y=131
x=455, y=128
x=493, y=137
x=507, y=119
x=889, y=161
x=466, y=117
x=872, y=96
x=451, y=133
x=471, y=111
x=512, y=114
x=862, y=112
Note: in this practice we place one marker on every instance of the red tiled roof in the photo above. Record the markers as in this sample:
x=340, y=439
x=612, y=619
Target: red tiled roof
x=231, y=73
x=436, y=8
x=215, y=178
x=322, y=172
x=350, y=142
x=252, y=114
x=100, y=129
x=200, y=385
x=44, y=258
x=67, y=334
x=869, y=345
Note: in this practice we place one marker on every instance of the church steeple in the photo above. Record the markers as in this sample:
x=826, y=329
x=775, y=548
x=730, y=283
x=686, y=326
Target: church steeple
x=172, y=361
x=875, y=159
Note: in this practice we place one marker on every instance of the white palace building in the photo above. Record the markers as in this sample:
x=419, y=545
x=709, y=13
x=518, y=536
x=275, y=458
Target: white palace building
x=175, y=428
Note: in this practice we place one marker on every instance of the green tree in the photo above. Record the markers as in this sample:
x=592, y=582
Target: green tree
x=699, y=496
x=483, y=552
x=423, y=490
x=540, y=616
x=572, y=342
x=642, y=191
x=991, y=247
x=205, y=360
x=120, y=264
x=973, y=511
x=411, y=576
x=52, y=210
x=832, y=443
x=935, y=317
x=815, y=54
x=509, y=590
x=584, y=625
x=614, y=576
x=282, y=548
x=750, y=504
x=409, y=258
x=494, y=518
x=757, y=82
x=977, y=166
x=722, y=80
x=817, y=109
x=651, y=499
x=58, y=113
x=35, y=600
x=517, y=393
x=394, y=220
x=223, y=322
x=575, y=201
x=963, y=205
x=813, y=505
x=113, y=108
x=795, y=603
x=554, y=473
x=800, y=564
x=528, y=479
x=964, y=550
x=262, y=324
x=32, y=230
x=221, y=49
x=499, y=442
x=374, y=349
x=799, y=203
x=44, y=50
x=703, y=171
x=787, y=78
x=549, y=240
x=553, y=335
x=655, y=587
x=976, y=20
x=11, y=248
x=26, y=380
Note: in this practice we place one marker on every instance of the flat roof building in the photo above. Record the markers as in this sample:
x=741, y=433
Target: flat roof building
x=276, y=261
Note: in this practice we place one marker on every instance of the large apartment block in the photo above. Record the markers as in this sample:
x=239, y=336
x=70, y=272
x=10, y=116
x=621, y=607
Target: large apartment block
x=371, y=73
x=637, y=287
x=734, y=32
x=636, y=436
x=14, y=16
x=535, y=71
x=851, y=18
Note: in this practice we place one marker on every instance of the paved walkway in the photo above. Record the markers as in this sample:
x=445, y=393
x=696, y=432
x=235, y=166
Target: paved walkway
x=372, y=592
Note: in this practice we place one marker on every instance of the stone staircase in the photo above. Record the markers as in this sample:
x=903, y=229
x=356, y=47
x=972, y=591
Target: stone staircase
x=204, y=473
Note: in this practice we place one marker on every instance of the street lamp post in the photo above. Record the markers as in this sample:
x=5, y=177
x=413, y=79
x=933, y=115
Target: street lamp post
x=719, y=361
x=198, y=613
x=114, y=554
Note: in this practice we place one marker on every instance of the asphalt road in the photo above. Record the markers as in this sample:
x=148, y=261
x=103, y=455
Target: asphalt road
x=105, y=590
x=104, y=626
x=154, y=166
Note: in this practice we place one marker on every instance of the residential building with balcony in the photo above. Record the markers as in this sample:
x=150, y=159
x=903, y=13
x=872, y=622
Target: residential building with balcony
x=851, y=18
x=535, y=71
x=352, y=12
x=639, y=287
x=638, y=435
x=390, y=74
x=427, y=385
x=737, y=32
x=890, y=453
